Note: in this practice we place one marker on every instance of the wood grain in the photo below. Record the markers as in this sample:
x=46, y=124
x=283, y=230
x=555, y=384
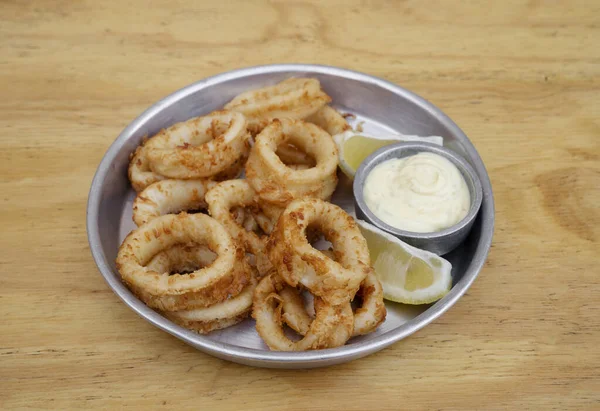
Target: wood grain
x=522, y=79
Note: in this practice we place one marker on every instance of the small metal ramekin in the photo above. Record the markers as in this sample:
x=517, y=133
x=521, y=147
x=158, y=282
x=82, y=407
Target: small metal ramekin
x=439, y=242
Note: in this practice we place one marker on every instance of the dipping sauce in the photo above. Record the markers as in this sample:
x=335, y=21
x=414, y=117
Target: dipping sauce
x=422, y=193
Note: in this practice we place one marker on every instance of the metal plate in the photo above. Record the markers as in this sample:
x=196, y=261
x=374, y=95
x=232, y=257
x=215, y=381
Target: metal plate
x=381, y=107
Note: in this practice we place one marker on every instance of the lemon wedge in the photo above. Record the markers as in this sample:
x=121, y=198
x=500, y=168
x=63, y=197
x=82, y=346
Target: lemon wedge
x=408, y=275
x=354, y=147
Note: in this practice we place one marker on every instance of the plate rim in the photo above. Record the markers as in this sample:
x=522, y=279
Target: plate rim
x=267, y=358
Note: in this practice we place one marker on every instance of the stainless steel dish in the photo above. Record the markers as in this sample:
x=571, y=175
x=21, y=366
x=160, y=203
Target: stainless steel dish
x=382, y=107
x=439, y=242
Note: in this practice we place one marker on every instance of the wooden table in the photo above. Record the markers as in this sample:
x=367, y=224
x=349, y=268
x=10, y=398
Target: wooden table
x=522, y=79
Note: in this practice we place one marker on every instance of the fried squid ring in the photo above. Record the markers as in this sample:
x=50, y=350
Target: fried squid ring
x=186, y=259
x=372, y=311
x=331, y=327
x=169, y=197
x=217, y=316
x=269, y=217
x=236, y=169
x=141, y=176
x=329, y=120
x=139, y=171
x=225, y=276
x=294, y=98
x=199, y=147
x=293, y=312
x=297, y=262
x=224, y=197
x=367, y=317
x=278, y=184
x=295, y=316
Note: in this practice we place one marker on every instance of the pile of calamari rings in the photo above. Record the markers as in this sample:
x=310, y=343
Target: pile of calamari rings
x=211, y=248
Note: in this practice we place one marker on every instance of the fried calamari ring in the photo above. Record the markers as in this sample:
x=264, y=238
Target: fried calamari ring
x=293, y=312
x=367, y=317
x=169, y=197
x=372, y=311
x=235, y=170
x=329, y=120
x=295, y=316
x=267, y=219
x=331, y=327
x=185, y=258
x=199, y=147
x=225, y=276
x=221, y=200
x=139, y=171
x=297, y=262
x=269, y=215
x=141, y=176
x=294, y=98
x=218, y=316
x=278, y=184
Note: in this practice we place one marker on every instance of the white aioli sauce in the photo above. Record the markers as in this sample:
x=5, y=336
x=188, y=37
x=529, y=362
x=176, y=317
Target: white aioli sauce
x=422, y=193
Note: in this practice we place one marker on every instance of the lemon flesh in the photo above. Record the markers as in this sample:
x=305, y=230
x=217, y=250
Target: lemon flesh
x=407, y=274
x=357, y=148
x=353, y=148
